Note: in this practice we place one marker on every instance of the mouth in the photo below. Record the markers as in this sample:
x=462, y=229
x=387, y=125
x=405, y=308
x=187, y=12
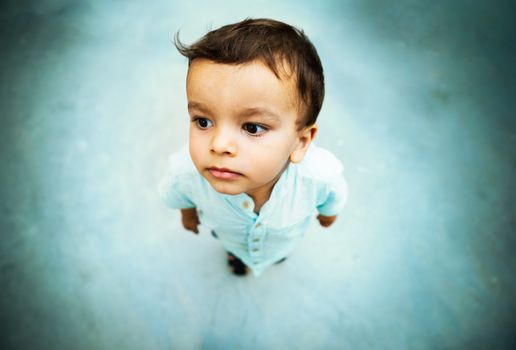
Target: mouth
x=223, y=173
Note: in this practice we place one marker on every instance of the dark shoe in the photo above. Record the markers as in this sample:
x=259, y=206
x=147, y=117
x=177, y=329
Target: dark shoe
x=237, y=266
x=280, y=261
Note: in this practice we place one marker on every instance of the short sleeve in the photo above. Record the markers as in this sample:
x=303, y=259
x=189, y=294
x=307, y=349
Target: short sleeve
x=172, y=195
x=336, y=190
x=174, y=188
x=336, y=198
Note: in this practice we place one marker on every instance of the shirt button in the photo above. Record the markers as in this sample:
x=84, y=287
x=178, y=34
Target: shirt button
x=245, y=204
x=255, y=249
x=256, y=239
x=258, y=225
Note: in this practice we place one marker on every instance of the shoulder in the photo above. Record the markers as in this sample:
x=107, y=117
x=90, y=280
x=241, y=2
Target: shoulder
x=180, y=163
x=319, y=164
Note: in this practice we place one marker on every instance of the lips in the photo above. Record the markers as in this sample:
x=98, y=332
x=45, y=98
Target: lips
x=224, y=173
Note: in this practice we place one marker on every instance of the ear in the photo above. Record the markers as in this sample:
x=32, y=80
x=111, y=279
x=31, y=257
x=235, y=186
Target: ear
x=305, y=137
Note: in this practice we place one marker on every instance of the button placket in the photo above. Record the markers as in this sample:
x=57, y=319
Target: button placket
x=255, y=242
x=245, y=204
x=255, y=246
x=257, y=232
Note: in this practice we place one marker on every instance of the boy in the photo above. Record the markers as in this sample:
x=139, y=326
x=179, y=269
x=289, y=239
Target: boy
x=254, y=90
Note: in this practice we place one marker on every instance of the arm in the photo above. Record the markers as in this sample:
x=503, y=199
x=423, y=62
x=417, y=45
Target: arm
x=175, y=188
x=190, y=219
x=335, y=196
x=326, y=221
x=333, y=204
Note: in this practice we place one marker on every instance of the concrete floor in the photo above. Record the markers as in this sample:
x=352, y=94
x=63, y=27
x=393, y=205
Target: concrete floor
x=419, y=107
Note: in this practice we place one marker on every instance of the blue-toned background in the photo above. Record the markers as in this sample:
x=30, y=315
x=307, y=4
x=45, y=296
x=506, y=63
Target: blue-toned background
x=420, y=107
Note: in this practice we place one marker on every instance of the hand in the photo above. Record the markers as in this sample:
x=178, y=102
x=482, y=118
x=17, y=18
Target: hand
x=190, y=219
x=326, y=221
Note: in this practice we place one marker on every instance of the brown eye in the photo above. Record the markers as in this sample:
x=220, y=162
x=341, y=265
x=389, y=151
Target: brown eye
x=203, y=123
x=254, y=129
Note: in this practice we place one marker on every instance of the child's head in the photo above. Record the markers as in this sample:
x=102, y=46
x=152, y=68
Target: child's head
x=254, y=91
x=284, y=49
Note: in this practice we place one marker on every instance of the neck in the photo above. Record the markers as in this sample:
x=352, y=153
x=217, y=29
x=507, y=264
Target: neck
x=260, y=197
x=262, y=194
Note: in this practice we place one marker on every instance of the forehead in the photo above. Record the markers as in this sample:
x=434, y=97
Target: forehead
x=249, y=85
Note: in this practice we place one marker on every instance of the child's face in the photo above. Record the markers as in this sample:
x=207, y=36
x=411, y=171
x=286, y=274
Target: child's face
x=243, y=129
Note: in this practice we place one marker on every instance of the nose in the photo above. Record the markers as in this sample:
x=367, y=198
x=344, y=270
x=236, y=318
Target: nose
x=223, y=142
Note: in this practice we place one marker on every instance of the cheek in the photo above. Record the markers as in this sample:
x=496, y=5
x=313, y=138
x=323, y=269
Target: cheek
x=272, y=156
x=196, y=147
x=281, y=146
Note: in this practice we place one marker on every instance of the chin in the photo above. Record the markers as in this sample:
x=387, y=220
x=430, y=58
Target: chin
x=226, y=188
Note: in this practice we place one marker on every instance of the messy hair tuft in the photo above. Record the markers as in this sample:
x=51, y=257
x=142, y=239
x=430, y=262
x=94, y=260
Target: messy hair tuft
x=275, y=44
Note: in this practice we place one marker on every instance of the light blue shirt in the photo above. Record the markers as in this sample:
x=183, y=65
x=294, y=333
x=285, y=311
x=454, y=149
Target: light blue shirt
x=314, y=185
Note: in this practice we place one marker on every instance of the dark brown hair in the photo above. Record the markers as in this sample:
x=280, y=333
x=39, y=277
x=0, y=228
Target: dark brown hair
x=272, y=42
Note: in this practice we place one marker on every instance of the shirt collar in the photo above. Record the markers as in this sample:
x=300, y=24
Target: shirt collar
x=246, y=204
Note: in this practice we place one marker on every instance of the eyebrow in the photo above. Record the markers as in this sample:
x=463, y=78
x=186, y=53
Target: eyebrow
x=263, y=112
x=199, y=106
x=247, y=112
